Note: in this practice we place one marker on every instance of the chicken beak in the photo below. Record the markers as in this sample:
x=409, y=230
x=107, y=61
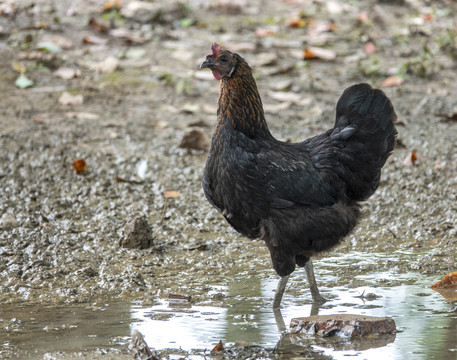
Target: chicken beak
x=208, y=63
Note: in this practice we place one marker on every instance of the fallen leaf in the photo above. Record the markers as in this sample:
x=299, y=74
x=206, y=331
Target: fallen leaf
x=67, y=73
x=218, y=347
x=296, y=22
x=410, y=159
x=23, y=82
x=440, y=165
x=261, y=32
x=427, y=17
x=41, y=119
x=450, y=116
x=18, y=67
x=370, y=48
x=79, y=166
x=392, y=81
x=449, y=280
x=99, y=25
x=48, y=47
x=289, y=97
x=111, y=4
x=68, y=99
x=171, y=194
x=58, y=40
x=122, y=180
x=82, y=115
x=318, y=53
x=322, y=27
x=94, y=40
x=107, y=66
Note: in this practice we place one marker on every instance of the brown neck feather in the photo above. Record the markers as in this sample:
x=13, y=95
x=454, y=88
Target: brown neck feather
x=240, y=105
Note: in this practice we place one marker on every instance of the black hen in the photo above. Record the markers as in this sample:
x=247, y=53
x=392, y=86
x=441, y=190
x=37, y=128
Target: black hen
x=300, y=198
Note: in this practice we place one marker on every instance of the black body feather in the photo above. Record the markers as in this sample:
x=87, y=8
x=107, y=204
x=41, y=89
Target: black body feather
x=300, y=198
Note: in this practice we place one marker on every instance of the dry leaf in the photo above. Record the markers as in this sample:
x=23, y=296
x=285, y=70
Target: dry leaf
x=67, y=73
x=171, y=194
x=18, y=67
x=261, y=32
x=82, y=115
x=218, y=347
x=450, y=116
x=107, y=66
x=440, y=165
x=94, y=40
x=58, y=40
x=296, y=22
x=322, y=27
x=111, y=4
x=99, y=25
x=392, y=81
x=449, y=280
x=68, y=99
x=318, y=53
x=79, y=166
x=410, y=159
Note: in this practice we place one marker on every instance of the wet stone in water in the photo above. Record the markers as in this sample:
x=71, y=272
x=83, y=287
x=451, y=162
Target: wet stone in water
x=137, y=234
x=347, y=325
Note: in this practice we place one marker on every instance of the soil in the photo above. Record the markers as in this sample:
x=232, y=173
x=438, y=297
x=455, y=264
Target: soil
x=60, y=229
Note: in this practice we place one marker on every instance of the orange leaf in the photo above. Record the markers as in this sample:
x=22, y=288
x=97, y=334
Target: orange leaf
x=296, y=22
x=110, y=4
x=79, y=166
x=318, y=53
x=410, y=159
x=392, y=81
x=449, y=280
x=218, y=347
x=427, y=17
x=171, y=194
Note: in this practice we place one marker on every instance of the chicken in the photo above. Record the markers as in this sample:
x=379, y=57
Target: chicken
x=300, y=198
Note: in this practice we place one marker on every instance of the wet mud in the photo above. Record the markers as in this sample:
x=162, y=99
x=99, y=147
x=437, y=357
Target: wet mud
x=60, y=230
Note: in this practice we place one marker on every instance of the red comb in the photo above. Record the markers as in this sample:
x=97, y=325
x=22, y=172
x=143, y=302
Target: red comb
x=215, y=47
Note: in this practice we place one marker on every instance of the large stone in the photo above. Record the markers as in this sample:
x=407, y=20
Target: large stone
x=344, y=325
x=342, y=331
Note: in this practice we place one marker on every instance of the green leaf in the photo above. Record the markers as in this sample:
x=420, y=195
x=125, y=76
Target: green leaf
x=23, y=82
x=48, y=47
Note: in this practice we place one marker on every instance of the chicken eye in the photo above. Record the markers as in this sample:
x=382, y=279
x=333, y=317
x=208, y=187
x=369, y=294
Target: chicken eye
x=223, y=58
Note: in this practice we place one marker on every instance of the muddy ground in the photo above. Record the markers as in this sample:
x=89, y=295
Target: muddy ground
x=60, y=230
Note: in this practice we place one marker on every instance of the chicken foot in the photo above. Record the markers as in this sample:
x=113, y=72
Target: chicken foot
x=315, y=294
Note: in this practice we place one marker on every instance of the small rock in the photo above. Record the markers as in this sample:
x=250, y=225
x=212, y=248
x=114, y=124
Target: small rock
x=8, y=221
x=195, y=140
x=139, y=347
x=343, y=325
x=137, y=235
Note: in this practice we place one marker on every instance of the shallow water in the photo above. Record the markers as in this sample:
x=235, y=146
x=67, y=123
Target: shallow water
x=241, y=313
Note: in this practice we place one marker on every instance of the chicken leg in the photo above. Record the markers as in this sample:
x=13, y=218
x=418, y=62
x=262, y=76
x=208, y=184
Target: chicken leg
x=317, y=297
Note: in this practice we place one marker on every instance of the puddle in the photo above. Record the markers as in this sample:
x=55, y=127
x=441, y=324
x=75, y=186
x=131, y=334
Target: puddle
x=426, y=322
